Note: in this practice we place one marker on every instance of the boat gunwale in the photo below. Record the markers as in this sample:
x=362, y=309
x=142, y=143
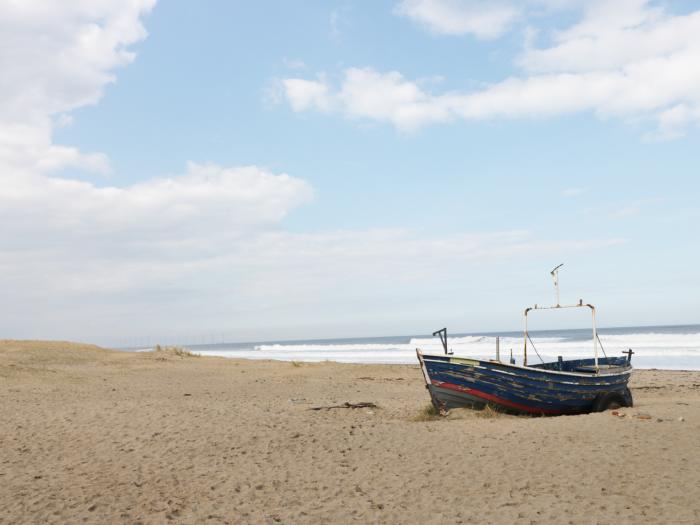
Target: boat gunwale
x=624, y=370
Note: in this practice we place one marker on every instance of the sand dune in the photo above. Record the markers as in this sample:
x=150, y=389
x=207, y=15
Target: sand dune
x=101, y=436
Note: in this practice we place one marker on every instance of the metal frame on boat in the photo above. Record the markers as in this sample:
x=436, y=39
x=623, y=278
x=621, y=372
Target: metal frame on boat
x=571, y=386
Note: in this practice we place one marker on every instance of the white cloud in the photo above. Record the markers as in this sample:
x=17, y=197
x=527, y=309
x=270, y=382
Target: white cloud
x=307, y=94
x=205, y=248
x=624, y=59
x=71, y=239
x=55, y=57
x=483, y=19
x=67, y=236
x=258, y=282
x=366, y=93
x=673, y=121
x=207, y=201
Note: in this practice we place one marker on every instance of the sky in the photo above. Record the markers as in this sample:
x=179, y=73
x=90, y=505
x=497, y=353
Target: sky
x=247, y=171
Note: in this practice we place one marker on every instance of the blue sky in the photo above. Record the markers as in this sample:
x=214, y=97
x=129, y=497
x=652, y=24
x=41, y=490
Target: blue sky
x=441, y=157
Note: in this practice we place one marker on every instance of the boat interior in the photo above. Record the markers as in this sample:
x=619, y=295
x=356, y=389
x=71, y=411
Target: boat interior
x=585, y=365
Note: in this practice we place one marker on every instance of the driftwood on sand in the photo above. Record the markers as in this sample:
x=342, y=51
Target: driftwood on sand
x=363, y=404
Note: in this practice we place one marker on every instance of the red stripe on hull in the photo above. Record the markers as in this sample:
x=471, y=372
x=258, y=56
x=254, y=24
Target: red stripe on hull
x=498, y=400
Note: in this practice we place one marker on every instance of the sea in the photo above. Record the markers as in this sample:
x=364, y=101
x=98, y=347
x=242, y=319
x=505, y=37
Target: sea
x=662, y=347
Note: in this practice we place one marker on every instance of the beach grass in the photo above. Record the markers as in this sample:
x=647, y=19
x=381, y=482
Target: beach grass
x=489, y=412
x=427, y=413
x=174, y=351
x=430, y=413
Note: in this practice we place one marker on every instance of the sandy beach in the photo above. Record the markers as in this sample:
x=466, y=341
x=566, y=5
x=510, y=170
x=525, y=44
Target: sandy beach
x=97, y=436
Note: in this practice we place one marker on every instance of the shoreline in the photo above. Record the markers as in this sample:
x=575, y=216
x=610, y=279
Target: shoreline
x=669, y=349
x=113, y=436
x=249, y=356
x=370, y=363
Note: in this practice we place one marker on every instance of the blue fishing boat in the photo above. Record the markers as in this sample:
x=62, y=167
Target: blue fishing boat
x=572, y=386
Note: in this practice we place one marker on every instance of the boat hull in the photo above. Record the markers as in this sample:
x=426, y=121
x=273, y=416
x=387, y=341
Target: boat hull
x=541, y=390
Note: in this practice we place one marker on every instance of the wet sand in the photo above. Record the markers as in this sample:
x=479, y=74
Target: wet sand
x=96, y=436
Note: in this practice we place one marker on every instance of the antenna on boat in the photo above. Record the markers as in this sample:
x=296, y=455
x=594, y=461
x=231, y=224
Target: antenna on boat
x=555, y=276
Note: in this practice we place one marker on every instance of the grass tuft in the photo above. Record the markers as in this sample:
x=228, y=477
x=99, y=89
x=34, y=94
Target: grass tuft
x=428, y=413
x=163, y=352
x=489, y=412
x=297, y=364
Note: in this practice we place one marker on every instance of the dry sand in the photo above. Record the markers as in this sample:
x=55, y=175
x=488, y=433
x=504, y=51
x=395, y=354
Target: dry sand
x=95, y=436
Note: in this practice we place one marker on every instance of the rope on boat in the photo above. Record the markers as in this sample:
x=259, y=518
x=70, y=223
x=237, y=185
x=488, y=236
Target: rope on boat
x=535, y=348
x=601, y=345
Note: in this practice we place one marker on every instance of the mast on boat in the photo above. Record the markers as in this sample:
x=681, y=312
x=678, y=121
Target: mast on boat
x=555, y=276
